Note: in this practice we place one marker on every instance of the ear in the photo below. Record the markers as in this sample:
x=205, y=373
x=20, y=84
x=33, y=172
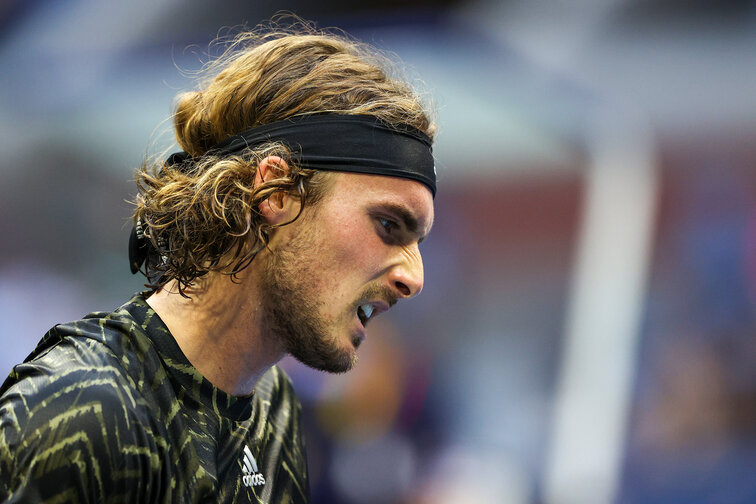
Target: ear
x=276, y=209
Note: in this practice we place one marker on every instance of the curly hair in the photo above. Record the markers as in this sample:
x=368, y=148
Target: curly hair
x=202, y=215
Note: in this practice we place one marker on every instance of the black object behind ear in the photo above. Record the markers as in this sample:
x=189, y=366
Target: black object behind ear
x=139, y=245
x=137, y=249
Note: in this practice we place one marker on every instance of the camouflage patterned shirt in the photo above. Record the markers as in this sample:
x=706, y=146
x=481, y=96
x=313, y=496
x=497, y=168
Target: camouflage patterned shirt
x=108, y=409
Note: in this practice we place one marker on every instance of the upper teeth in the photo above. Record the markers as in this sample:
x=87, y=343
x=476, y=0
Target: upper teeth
x=367, y=309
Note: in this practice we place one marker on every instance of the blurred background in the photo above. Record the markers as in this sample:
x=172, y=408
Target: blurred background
x=586, y=331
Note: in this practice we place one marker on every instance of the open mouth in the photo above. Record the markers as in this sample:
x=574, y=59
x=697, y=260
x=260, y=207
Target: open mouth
x=364, y=312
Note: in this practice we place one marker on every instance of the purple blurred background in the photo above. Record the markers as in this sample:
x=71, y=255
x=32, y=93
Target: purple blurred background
x=586, y=331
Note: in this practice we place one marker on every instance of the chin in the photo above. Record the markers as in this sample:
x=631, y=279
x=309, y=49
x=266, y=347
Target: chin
x=344, y=358
x=343, y=364
x=332, y=358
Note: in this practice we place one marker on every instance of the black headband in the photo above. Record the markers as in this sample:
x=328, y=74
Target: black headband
x=350, y=143
x=333, y=142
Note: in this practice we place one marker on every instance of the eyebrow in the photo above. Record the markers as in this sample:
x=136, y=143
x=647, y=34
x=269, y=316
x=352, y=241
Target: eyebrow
x=407, y=217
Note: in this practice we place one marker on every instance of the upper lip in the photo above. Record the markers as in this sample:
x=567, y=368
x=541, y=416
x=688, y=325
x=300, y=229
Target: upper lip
x=378, y=307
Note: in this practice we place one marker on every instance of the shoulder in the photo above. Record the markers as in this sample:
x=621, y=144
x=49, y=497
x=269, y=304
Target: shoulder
x=79, y=377
x=66, y=369
x=94, y=357
x=72, y=413
x=69, y=374
x=78, y=435
x=75, y=395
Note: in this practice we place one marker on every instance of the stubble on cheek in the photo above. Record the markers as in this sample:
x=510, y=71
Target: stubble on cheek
x=295, y=298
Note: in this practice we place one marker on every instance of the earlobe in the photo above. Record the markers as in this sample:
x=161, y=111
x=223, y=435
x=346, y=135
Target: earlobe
x=273, y=209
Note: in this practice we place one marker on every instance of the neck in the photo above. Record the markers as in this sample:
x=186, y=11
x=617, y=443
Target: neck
x=220, y=329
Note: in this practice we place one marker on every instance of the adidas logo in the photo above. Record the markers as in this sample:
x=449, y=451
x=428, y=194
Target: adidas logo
x=252, y=476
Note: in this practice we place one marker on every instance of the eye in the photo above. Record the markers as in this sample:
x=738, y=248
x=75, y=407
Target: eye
x=387, y=224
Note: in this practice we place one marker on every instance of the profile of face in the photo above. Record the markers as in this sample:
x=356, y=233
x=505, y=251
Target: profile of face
x=346, y=259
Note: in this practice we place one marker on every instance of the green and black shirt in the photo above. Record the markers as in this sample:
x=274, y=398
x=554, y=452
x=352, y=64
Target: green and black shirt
x=108, y=409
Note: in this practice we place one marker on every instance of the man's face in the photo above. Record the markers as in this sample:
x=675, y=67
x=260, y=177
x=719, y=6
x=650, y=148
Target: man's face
x=347, y=259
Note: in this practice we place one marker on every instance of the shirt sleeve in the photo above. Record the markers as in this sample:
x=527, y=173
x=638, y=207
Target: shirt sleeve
x=73, y=435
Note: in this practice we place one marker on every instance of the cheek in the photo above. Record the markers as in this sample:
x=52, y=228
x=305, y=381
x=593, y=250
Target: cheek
x=356, y=246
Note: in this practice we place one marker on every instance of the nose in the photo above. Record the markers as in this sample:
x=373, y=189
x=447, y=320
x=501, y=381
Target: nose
x=407, y=277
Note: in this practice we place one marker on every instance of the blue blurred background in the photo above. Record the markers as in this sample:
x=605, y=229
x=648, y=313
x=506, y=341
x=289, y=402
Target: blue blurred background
x=586, y=332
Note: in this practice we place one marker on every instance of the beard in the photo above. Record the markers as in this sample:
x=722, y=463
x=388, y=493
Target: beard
x=293, y=314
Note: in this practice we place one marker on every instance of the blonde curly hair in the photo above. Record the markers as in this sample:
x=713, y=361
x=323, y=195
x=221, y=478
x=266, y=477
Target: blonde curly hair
x=202, y=215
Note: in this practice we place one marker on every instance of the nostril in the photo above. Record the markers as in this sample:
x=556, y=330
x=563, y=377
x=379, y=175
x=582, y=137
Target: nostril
x=403, y=288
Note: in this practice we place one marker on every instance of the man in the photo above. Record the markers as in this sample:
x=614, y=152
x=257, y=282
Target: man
x=291, y=219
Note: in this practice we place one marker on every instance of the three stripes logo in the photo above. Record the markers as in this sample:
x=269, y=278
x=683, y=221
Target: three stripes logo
x=252, y=476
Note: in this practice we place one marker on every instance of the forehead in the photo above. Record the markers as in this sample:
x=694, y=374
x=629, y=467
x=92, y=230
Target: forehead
x=365, y=190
